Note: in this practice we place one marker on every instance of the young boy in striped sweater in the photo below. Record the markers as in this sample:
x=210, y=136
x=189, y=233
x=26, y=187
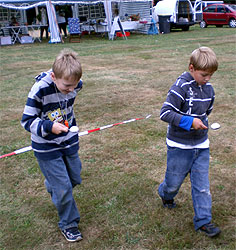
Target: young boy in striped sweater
x=186, y=109
x=48, y=115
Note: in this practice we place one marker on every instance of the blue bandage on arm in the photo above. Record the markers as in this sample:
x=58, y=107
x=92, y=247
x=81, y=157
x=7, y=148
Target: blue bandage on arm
x=186, y=122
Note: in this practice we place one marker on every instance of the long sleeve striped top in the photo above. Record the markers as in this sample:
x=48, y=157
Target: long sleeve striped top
x=186, y=99
x=46, y=105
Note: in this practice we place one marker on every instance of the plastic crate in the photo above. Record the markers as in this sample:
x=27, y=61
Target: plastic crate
x=5, y=40
x=119, y=34
x=26, y=39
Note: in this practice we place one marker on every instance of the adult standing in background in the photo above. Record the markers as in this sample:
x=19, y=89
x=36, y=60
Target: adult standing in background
x=43, y=21
x=61, y=20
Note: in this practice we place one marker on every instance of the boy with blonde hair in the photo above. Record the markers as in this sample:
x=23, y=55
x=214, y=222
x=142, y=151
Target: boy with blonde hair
x=48, y=115
x=186, y=109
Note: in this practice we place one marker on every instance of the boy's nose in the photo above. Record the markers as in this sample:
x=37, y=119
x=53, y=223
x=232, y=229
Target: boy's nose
x=208, y=78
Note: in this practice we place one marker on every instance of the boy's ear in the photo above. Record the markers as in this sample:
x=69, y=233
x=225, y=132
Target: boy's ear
x=53, y=76
x=191, y=68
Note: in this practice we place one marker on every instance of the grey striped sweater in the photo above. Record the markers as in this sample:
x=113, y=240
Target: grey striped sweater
x=45, y=105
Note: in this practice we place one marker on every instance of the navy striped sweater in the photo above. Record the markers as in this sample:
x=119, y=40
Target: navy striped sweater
x=45, y=105
x=186, y=98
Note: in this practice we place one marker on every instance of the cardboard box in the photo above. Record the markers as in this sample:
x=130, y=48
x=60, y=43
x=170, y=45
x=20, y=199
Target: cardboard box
x=5, y=40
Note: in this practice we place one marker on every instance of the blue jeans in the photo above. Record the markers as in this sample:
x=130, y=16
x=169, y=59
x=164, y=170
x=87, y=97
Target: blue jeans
x=61, y=175
x=180, y=162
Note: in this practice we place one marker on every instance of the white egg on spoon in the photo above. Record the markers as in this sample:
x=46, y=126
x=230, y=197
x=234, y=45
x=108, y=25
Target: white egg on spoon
x=74, y=129
x=215, y=126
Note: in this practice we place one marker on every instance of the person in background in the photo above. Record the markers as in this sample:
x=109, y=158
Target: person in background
x=14, y=22
x=186, y=109
x=61, y=20
x=43, y=21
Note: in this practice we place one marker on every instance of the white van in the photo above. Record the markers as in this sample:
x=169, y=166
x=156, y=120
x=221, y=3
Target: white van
x=182, y=13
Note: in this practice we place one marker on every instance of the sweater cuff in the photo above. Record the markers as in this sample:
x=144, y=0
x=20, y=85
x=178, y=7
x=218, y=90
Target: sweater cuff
x=186, y=122
x=47, y=126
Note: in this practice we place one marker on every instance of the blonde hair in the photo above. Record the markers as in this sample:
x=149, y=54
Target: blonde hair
x=67, y=65
x=204, y=59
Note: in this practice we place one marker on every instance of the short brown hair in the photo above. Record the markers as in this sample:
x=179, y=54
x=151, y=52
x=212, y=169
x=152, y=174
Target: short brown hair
x=205, y=59
x=67, y=65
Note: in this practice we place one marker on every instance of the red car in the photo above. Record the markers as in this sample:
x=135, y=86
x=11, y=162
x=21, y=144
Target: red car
x=219, y=15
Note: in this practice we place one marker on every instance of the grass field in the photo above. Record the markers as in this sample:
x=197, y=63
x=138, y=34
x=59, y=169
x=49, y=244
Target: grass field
x=123, y=165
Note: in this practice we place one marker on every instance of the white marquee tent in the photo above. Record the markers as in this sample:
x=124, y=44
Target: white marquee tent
x=129, y=6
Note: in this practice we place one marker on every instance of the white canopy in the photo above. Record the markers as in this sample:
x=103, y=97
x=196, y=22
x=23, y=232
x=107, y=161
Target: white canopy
x=54, y=31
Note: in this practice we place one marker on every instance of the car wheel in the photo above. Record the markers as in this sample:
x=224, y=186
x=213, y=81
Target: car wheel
x=232, y=23
x=203, y=24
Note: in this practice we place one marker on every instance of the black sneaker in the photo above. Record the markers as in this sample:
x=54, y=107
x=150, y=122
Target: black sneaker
x=209, y=229
x=72, y=234
x=168, y=203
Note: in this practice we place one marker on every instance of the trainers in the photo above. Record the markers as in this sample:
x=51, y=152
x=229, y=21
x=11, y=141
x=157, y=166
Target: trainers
x=209, y=229
x=72, y=234
x=168, y=203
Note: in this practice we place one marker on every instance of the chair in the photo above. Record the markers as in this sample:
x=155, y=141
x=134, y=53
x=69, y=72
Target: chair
x=74, y=29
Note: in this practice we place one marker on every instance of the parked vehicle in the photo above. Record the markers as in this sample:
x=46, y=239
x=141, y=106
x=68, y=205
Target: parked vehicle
x=182, y=13
x=206, y=3
x=219, y=15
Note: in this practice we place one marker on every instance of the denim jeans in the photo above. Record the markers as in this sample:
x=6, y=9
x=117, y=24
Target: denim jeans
x=61, y=175
x=180, y=162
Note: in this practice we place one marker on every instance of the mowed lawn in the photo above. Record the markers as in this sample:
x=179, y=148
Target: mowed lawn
x=123, y=165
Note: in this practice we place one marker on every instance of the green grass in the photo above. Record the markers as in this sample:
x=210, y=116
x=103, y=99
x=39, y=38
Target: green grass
x=123, y=165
